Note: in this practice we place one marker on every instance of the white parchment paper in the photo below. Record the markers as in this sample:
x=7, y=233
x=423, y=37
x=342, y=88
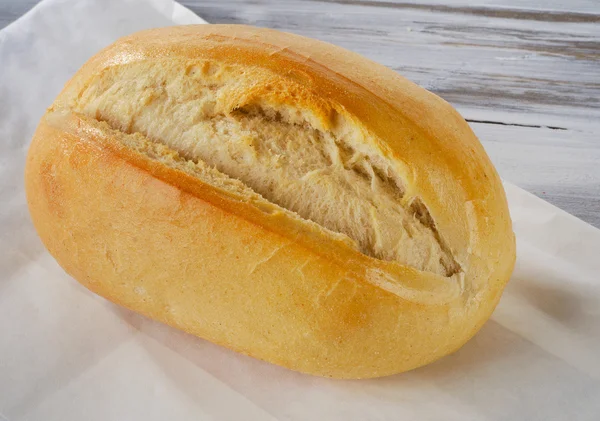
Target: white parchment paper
x=66, y=354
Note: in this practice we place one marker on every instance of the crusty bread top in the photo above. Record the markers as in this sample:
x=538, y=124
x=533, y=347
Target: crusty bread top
x=335, y=151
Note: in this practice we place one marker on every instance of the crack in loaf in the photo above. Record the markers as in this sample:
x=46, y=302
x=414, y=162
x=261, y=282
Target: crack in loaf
x=256, y=127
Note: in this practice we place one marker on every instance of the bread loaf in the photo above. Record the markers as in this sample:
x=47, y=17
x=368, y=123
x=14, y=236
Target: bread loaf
x=274, y=194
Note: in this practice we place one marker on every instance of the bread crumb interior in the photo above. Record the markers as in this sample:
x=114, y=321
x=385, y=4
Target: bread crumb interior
x=193, y=116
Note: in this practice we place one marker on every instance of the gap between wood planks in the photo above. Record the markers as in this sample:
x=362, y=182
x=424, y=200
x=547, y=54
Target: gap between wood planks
x=470, y=120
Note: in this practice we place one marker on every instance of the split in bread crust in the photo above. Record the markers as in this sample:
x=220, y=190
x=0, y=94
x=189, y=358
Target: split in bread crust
x=333, y=176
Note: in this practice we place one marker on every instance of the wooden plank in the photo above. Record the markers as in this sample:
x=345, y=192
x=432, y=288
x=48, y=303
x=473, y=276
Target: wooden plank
x=567, y=7
x=558, y=10
x=536, y=72
x=561, y=167
x=10, y=10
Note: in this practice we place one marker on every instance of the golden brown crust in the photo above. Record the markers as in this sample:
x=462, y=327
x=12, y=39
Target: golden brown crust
x=163, y=243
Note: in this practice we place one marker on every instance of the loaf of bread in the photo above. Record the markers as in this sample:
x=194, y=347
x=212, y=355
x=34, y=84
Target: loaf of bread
x=274, y=194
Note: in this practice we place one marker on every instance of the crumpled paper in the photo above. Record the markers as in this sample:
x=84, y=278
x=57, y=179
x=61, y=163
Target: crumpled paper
x=66, y=354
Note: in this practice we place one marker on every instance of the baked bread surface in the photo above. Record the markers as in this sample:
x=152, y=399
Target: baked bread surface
x=278, y=195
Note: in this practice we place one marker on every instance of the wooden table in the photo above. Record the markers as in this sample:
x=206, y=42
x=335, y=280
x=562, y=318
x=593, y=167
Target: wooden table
x=524, y=73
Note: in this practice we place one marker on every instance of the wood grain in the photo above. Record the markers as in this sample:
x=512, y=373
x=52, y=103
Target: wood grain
x=11, y=10
x=524, y=73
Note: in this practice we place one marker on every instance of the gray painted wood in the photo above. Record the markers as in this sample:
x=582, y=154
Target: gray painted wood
x=525, y=73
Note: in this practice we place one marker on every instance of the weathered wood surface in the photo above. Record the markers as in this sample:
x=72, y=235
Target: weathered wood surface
x=525, y=73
